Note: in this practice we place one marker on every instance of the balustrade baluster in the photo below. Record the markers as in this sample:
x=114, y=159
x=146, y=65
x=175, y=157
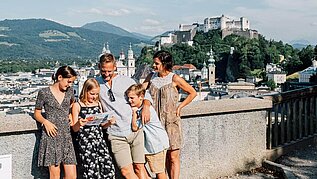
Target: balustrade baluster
x=282, y=123
x=269, y=130
x=288, y=122
x=294, y=118
x=306, y=117
x=275, y=127
x=311, y=115
x=300, y=119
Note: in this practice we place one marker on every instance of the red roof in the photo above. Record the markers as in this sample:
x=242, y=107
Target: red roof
x=190, y=66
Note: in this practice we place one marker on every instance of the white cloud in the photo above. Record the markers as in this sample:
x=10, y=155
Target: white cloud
x=99, y=11
x=313, y=24
x=151, y=22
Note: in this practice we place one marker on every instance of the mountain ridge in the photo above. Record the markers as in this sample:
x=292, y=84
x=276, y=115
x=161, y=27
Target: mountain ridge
x=103, y=26
x=42, y=38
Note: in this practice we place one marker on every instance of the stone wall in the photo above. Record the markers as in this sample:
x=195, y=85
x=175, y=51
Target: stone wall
x=220, y=138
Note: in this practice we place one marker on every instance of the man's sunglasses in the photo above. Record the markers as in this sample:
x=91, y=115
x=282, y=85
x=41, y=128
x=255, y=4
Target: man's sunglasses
x=111, y=96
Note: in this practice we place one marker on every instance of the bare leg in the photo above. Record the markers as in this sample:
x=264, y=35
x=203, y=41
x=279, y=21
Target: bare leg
x=55, y=171
x=173, y=163
x=70, y=171
x=128, y=172
x=140, y=171
x=161, y=175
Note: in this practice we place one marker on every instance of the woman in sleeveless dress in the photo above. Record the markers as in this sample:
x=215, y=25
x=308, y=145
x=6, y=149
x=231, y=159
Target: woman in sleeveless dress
x=163, y=86
x=94, y=160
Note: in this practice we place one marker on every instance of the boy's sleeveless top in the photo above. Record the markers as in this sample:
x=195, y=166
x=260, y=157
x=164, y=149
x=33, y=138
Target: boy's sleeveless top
x=165, y=99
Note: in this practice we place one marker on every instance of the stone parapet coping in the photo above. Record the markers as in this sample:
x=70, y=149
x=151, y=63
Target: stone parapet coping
x=224, y=106
x=22, y=123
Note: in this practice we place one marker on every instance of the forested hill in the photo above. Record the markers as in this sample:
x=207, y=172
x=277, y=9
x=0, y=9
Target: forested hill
x=249, y=57
x=44, y=39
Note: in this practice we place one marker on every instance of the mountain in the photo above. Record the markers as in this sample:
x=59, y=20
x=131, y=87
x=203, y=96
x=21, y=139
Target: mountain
x=41, y=38
x=300, y=44
x=142, y=36
x=109, y=28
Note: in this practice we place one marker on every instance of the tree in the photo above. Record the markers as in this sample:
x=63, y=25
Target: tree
x=270, y=83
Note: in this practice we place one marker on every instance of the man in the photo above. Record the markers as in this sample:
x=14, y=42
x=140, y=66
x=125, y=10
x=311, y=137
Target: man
x=127, y=146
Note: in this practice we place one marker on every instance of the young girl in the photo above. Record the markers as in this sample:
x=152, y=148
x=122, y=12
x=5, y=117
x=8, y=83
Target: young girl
x=94, y=158
x=56, y=145
x=155, y=136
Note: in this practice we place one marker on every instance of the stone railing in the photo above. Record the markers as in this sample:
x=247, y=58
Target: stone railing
x=293, y=119
x=221, y=138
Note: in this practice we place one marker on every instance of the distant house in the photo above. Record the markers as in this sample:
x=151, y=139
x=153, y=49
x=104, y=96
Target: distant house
x=305, y=75
x=278, y=77
x=241, y=87
x=184, y=71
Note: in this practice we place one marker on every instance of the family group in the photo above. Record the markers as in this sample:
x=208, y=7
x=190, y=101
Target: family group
x=144, y=126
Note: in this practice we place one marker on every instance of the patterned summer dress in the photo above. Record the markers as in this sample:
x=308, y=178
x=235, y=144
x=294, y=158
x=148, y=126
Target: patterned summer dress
x=165, y=97
x=94, y=157
x=58, y=149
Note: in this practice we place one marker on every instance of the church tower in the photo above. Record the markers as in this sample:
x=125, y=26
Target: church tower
x=106, y=48
x=211, y=68
x=130, y=62
x=204, y=72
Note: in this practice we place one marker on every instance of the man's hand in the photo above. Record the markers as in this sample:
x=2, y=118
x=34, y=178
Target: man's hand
x=146, y=114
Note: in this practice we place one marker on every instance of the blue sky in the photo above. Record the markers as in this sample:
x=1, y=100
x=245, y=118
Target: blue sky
x=285, y=20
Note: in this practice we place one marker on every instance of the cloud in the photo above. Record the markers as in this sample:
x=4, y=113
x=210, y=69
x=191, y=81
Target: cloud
x=118, y=12
x=151, y=22
x=108, y=12
x=313, y=24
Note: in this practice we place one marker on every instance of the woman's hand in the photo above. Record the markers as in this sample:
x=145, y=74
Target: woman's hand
x=178, y=111
x=50, y=128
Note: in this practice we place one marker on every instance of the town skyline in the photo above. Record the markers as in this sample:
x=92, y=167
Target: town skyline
x=272, y=18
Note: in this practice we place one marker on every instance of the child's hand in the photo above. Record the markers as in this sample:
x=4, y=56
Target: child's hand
x=112, y=120
x=82, y=121
x=134, y=109
x=50, y=128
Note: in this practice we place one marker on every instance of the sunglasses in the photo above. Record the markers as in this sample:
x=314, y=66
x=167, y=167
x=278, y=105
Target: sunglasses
x=111, y=96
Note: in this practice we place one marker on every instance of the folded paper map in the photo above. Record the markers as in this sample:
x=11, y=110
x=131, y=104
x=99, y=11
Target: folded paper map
x=99, y=118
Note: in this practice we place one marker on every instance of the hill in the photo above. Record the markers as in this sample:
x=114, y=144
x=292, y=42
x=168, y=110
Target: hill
x=109, y=28
x=41, y=38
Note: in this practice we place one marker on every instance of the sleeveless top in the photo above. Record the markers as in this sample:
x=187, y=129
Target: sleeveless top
x=94, y=159
x=165, y=99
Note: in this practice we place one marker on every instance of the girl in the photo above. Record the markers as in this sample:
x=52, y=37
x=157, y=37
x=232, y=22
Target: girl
x=162, y=85
x=94, y=158
x=56, y=145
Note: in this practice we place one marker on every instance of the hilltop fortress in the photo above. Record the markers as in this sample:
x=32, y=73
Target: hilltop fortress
x=186, y=33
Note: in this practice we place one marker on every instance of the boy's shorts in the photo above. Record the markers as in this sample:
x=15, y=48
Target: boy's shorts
x=128, y=150
x=156, y=161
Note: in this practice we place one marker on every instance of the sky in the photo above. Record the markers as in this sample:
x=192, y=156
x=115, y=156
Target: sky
x=286, y=20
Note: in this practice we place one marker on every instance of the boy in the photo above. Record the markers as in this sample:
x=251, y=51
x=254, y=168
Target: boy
x=155, y=136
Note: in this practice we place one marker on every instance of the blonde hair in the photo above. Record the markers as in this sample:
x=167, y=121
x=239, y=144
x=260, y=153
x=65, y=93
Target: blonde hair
x=89, y=84
x=137, y=89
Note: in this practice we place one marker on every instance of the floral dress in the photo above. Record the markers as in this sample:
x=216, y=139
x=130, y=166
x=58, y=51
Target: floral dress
x=58, y=149
x=94, y=159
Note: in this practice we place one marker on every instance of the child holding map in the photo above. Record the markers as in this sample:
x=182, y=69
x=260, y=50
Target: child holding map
x=94, y=159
